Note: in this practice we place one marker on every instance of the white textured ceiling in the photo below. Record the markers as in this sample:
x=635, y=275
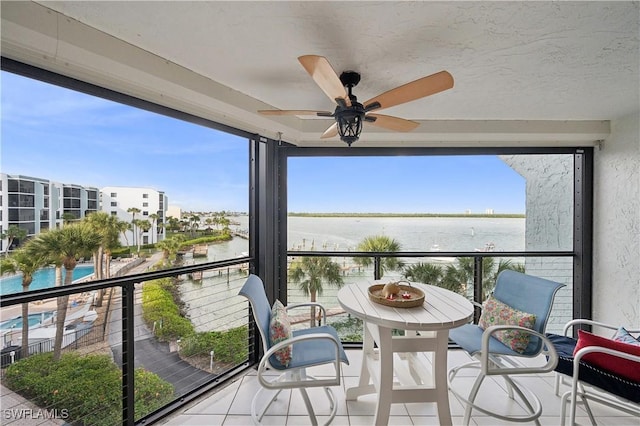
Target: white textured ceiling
x=515, y=61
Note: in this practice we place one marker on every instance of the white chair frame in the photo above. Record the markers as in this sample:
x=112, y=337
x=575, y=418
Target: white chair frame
x=529, y=294
x=295, y=375
x=297, y=378
x=586, y=392
x=505, y=366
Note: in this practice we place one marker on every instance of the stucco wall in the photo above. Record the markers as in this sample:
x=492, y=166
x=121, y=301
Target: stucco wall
x=616, y=269
x=549, y=224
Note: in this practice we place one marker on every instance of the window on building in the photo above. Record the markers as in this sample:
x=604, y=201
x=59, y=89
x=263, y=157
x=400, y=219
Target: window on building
x=71, y=192
x=27, y=186
x=114, y=195
x=145, y=204
x=114, y=204
x=114, y=213
x=145, y=195
x=13, y=185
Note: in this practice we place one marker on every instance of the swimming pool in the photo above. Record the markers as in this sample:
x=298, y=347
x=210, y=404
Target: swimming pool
x=44, y=278
x=34, y=319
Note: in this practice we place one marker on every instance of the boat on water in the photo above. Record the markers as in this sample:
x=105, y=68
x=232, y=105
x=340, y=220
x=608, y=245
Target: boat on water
x=488, y=247
x=436, y=248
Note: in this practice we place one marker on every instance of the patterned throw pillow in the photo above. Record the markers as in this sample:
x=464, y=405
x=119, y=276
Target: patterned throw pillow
x=622, y=335
x=279, y=330
x=494, y=312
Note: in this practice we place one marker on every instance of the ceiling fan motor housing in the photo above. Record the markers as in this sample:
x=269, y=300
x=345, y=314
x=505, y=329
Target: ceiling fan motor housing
x=350, y=79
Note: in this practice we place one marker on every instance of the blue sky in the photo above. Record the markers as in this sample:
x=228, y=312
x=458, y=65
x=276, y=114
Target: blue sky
x=65, y=136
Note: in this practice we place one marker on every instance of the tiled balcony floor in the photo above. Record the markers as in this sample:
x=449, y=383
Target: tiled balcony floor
x=231, y=405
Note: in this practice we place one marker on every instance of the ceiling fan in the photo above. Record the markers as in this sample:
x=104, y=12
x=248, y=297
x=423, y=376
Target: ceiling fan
x=349, y=113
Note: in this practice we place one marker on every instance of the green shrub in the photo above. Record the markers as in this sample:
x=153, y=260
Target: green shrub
x=349, y=329
x=88, y=388
x=159, y=307
x=229, y=346
x=121, y=252
x=209, y=239
x=151, y=392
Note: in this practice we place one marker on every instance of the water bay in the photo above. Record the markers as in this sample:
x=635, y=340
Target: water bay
x=208, y=301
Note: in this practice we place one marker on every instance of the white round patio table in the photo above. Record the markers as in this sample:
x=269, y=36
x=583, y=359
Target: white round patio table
x=426, y=330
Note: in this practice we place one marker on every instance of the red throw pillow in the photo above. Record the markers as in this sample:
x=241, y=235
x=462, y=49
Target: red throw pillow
x=619, y=366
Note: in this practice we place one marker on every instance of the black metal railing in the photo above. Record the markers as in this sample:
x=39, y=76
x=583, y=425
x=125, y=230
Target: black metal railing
x=208, y=292
x=554, y=265
x=120, y=334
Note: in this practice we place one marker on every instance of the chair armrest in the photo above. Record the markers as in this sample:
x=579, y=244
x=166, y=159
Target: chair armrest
x=310, y=304
x=276, y=384
x=580, y=321
x=547, y=348
x=476, y=304
x=590, y=349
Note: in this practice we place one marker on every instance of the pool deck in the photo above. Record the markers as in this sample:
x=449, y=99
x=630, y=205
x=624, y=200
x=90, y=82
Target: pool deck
x=82, y=301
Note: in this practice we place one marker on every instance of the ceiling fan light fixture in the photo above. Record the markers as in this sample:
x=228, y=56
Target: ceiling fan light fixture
x=350, y=125
x=349, y=120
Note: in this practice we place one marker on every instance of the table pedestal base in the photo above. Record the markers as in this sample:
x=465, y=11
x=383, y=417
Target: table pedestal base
x=416, y=382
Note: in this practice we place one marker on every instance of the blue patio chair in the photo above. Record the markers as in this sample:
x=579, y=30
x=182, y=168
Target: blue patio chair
x=526, y=294
x=310, y=347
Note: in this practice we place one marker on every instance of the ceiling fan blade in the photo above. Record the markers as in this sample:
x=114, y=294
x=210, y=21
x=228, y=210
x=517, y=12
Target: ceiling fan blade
x=392, y=123
x=323, y=74
x=295, y=112
x=417, y=89
x=330, y=132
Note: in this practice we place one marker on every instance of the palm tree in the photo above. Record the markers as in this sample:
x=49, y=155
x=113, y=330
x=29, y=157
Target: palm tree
x=462, y=273
x=98, y=222
x=380, y=243
x=68, y=218
x=194, y=223
x=12, y=233
x=173, y=224
x=27, y=262
x=123, y=227
x=456, y=277
x=170, y=247
x=66, y=245
x=427, y=273
x=133, y=211
x=465, y=269
x=225, y=222
x=448, y=277
x=143, y=226
x=154, y=219
x=106, y=226
x=310, y=273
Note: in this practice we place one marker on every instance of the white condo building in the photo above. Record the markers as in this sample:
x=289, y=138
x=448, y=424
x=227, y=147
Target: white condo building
x=119, y=200
x=37, y=204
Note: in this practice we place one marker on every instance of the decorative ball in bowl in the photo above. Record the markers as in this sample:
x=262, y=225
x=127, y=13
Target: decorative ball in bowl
x=396, y=294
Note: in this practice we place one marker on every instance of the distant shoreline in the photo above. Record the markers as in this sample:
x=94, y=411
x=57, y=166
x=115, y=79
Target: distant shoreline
x=473, y=215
